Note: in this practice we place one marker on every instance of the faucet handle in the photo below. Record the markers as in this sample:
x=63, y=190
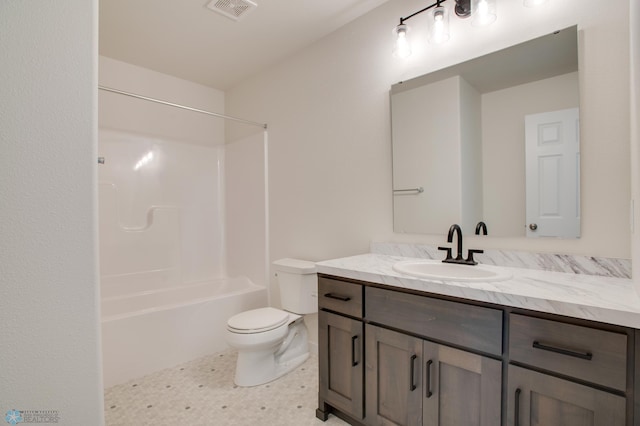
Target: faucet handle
x=448, y=249
x=470, y=256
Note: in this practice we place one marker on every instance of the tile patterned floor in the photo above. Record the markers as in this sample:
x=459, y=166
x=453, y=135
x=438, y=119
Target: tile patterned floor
x=202, y=393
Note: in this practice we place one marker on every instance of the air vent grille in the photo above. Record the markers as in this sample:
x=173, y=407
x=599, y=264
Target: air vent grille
x=233, y=9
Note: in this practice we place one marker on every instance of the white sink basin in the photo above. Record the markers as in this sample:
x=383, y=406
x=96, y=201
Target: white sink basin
x=437, y=270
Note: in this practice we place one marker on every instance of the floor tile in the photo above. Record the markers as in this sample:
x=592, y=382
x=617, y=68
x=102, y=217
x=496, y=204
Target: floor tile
x=202, y=393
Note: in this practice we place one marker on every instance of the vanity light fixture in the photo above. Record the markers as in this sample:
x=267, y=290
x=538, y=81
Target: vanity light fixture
x=402, y=48
x=482, y=11
x=438, y=25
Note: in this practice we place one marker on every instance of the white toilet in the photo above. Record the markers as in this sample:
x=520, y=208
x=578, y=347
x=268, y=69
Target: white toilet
x=272, y=342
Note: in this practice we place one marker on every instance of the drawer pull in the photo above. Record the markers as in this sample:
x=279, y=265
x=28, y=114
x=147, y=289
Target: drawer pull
x=353, y=351
x=412, y=385
x=581, y=355
x=516, y=409
x=337, y=297
x=429, y=393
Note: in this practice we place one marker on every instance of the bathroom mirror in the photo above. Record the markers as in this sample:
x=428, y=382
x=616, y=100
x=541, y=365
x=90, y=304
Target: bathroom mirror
x=459, y=151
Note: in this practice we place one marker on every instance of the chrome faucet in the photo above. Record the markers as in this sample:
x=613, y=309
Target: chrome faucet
x=455, y=228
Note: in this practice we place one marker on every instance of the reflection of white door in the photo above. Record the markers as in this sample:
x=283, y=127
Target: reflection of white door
x=553, y=174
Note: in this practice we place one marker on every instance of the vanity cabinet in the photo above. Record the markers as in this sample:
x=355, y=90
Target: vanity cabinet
x=442, y=361
x=411, y=381
x=541, y=399
x=393, y=377
x=415, y=377
x=459, y=324
x=462, y=388
x=341, y=348
x=590, y=355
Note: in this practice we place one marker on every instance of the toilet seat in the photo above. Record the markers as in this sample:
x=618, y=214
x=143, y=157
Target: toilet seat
x=257, y=321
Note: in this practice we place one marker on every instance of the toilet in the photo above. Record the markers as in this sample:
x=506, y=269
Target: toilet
x=272, y=342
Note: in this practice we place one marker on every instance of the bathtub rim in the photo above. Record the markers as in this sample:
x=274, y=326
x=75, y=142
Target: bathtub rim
x=249, y=287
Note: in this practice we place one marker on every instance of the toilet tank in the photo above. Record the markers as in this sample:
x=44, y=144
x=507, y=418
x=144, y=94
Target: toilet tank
x=298, y=284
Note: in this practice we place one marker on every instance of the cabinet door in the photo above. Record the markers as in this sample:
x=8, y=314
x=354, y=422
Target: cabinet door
x=393, y=374
x=537, y=399
x=460, y=388
x=341, y=363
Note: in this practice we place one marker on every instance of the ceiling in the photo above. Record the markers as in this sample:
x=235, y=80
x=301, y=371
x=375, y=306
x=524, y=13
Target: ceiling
x=185, y=39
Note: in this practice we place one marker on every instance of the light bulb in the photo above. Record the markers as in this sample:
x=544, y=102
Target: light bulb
x=483, y=12
x=402, y=48
x=439, y=25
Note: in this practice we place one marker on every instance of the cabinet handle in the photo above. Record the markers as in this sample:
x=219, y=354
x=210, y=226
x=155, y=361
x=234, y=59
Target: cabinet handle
x=412, y=385
x=586, y=355
x=516, y=409
x=337, y=297
x=429, y=393
x=353, y=351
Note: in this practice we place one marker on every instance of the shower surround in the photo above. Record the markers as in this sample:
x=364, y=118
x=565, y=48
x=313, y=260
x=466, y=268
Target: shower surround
x=165, y=290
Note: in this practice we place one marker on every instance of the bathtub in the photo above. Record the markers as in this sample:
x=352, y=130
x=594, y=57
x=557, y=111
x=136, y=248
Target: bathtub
x=149, y=325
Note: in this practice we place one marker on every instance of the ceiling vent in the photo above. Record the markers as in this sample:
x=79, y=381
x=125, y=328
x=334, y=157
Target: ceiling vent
x=233, y=9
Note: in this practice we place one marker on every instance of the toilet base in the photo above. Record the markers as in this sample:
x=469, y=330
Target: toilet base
x=255, y=368
x=260, y=378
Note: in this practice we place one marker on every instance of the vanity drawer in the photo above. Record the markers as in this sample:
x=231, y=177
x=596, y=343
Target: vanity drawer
x=340, y=296
x=586, y=353
x=456, y=323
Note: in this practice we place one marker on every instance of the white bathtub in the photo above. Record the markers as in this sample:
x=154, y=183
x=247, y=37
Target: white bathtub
x=146, y=329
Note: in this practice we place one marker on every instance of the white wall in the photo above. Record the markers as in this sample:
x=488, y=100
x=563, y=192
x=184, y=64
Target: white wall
x=49, y=357
x=328, y=114
x=634, y=19
x=144, y=117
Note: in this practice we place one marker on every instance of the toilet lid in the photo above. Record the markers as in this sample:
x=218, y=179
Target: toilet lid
x=257, y=320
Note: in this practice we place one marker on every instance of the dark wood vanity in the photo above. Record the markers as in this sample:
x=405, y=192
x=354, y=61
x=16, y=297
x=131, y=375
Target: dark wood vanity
x=391, y=356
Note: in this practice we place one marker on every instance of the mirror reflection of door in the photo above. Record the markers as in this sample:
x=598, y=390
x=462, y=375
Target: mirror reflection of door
x=552, y=149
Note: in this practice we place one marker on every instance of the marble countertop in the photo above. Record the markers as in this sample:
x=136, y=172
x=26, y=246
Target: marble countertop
x=603, y=299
